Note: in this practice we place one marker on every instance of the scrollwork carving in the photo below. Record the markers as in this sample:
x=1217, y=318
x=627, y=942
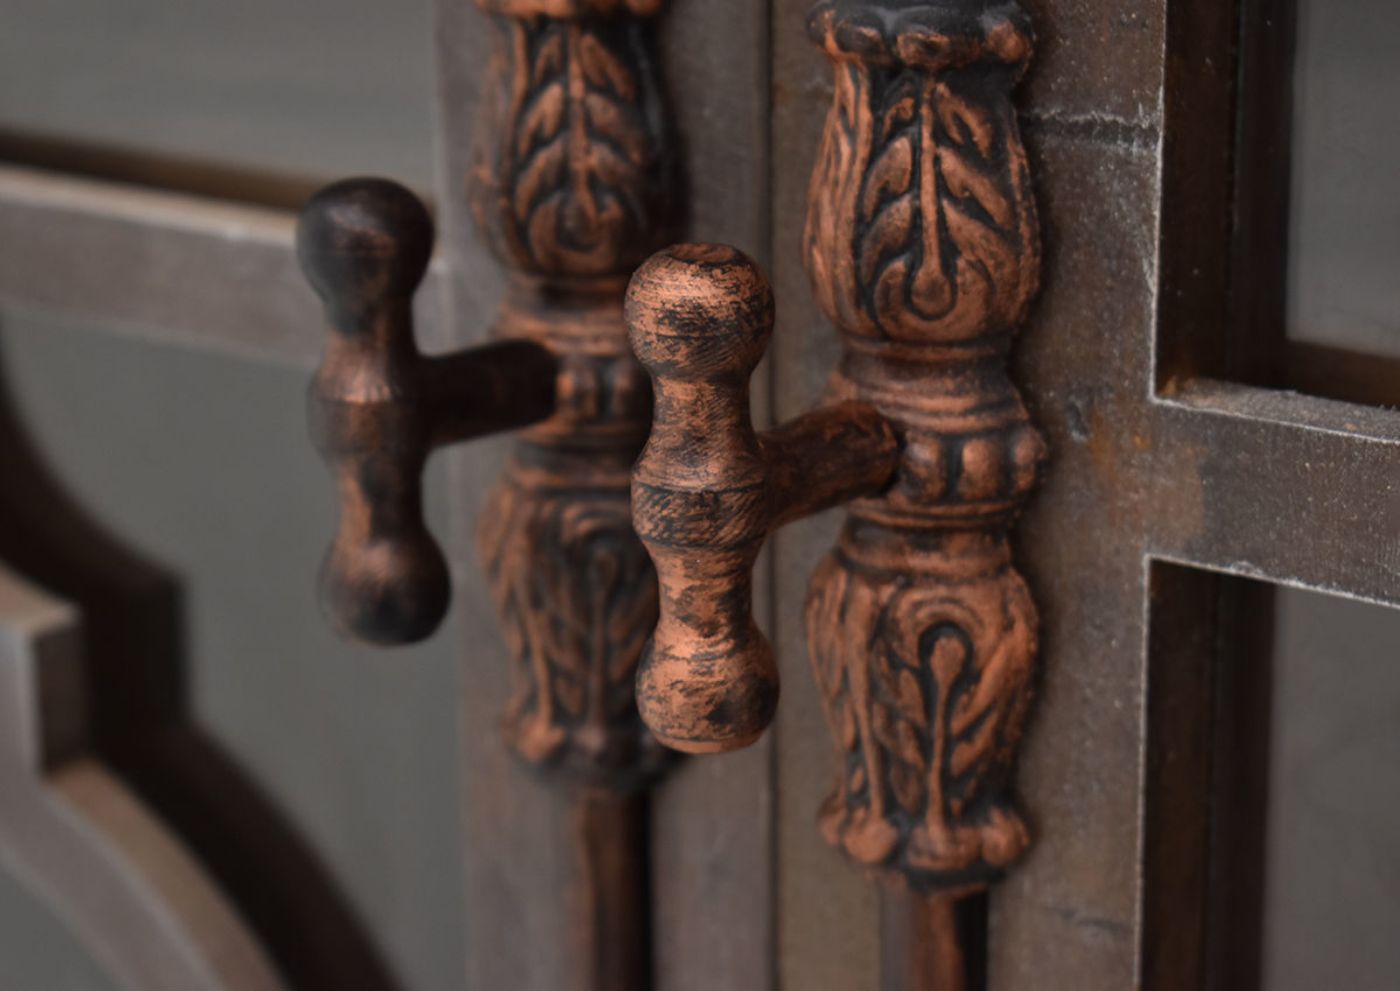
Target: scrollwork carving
x=571, y=187
x=923, y=247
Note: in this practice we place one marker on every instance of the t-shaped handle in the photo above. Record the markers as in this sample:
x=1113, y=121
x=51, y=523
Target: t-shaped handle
x=708, y=490
x=378, y=407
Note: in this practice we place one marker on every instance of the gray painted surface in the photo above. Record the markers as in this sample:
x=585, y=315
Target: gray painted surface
x=316, y=88
x=37, y=952
x=1332, y=896
x=1346, y=154
x=202, y=463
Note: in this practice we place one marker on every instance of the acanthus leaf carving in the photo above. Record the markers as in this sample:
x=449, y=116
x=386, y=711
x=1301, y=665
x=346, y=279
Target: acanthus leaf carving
x=920, y=788
x=576, y=595
x=572, y=161
x=924, y=230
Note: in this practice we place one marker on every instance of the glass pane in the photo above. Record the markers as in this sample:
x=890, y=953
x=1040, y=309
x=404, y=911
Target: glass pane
x=1345, y=241
x=203, y=465
x=314, y=89
x=1332, y=890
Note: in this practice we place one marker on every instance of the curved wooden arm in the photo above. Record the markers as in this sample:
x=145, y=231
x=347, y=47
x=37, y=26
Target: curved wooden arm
x=378, y=406
x=708, y=490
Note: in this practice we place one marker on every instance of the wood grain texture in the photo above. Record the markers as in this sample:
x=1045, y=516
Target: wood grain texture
x=161, y=266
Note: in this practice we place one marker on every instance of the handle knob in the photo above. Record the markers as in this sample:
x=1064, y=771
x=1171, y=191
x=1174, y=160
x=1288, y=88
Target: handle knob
x=708, y=490
x=364, y=244
x=699, y=319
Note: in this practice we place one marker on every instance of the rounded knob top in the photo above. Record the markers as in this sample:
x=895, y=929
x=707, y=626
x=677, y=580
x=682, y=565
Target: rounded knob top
x=699, y=310
x=364, y=240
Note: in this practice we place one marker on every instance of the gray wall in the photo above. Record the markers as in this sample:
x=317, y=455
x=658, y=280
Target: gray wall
x=1332, y=897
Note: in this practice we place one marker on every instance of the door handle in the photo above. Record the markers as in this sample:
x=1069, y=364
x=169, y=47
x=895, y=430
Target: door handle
x=922, y=248
x=572, y=186
x=378, y=406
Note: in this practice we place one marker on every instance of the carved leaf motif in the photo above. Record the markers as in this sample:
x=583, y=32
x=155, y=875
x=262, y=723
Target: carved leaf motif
x=569, y=692
x=577, y=600
x=908, y=785
x=603, y=70
x=882, y=724
x=911, y=700
x=921, y=226
x=574, y=187
x=849, y=730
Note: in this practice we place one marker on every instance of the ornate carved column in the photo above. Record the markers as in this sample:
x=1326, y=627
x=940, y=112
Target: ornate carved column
x=572, y=187
x=923, y=249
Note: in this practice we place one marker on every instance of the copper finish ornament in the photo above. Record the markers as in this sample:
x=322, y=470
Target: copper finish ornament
x=571, y=187
x=923, y=249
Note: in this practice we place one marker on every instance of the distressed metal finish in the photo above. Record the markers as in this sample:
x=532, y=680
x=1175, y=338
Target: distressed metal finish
x=707, y=490
x=923, y=248
x=571, y=187
x=378, y=406
x=710, y=847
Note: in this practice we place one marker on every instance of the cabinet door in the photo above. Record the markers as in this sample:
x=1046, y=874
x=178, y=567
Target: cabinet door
x=1213, y=548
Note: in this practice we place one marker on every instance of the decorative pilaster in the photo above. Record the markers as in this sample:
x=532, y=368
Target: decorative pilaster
x=922, y=247
x=572, y=188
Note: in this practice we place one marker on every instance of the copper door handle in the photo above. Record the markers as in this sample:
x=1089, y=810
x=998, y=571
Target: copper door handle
x=707, y=489
x=572, y=186
x=378, y=406
x=922, y=247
